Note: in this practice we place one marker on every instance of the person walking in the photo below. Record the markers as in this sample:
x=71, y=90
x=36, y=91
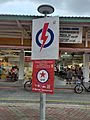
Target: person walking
x=69, y=76
x=79, y=73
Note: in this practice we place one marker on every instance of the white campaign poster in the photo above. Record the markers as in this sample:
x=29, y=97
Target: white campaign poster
x=45, y=38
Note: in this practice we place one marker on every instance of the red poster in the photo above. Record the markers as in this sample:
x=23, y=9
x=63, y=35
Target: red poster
x=43, y=76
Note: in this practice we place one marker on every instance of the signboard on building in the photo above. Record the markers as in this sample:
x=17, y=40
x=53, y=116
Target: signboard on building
x=45, y=38
x=70, y=34
x=43, y=76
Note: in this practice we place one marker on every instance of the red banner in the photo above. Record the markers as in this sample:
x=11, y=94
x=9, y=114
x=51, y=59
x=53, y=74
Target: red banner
x=43, y=76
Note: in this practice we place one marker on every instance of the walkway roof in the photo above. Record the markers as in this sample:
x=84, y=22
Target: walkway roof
x=13, y=25
x=30, y=17
x=16, y=27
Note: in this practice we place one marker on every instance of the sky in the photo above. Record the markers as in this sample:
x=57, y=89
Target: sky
x=62, y=7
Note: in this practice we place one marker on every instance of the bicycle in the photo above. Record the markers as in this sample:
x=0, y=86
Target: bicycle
x=28, y=85
x=80, y=86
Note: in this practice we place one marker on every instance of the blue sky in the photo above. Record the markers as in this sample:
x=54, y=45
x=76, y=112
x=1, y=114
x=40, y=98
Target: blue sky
x=62, y=7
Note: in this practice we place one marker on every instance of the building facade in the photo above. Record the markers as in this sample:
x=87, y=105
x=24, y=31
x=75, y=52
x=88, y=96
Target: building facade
x=74, y=40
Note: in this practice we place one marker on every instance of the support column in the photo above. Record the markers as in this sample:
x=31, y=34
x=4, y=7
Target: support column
x=86, y=67
x=21, y=65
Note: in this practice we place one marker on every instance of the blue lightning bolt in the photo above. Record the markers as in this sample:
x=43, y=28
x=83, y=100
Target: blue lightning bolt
x=44, y=37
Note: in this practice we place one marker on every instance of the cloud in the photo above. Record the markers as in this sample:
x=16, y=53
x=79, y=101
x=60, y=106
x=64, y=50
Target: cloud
x=62, y=7
x=37, y=1
x=18, y=7
x=4, y=1
x=76, y=7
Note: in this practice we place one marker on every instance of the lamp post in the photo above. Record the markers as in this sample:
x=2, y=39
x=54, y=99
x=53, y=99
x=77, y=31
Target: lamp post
x=44, y=9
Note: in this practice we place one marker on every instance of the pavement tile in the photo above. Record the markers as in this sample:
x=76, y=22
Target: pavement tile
x=53, y=112
x=14, y=107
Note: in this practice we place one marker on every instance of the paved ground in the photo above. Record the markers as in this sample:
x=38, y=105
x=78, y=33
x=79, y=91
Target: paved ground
x=53, y=112
x=18, y=104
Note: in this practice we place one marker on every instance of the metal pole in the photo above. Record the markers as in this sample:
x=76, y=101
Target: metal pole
x=42, y=105
x=42, y=101
x=44, y=9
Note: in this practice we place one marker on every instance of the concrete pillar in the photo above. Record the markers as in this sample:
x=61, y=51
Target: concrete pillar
x=86, y=67
x=21, y=65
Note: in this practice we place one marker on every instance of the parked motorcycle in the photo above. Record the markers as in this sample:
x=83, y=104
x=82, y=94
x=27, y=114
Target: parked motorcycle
x=80, y=86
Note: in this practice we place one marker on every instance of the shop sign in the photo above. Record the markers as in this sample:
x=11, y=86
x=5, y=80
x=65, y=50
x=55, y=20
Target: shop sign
x=45, y=38
x=71, y=35
x=43, y=76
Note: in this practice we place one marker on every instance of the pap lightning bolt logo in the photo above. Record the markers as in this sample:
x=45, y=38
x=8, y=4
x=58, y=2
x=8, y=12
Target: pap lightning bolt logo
x=44, y=37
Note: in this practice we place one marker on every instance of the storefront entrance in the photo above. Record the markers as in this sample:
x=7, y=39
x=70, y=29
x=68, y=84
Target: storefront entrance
x=74, y=61
x=10, y=64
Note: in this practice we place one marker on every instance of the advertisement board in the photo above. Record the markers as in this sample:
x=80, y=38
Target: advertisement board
x=70, y=34
x=43, y=76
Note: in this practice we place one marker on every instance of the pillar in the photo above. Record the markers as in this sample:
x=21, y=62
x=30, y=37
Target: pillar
x=21, y=65
x=86, y=67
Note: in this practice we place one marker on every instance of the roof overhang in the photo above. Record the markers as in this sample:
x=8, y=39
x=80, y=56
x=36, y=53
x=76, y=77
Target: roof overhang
x=86, y=50
x=15, y=47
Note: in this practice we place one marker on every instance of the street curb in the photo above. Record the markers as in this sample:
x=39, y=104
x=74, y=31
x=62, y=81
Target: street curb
x=12, y=100
x=56, y=88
